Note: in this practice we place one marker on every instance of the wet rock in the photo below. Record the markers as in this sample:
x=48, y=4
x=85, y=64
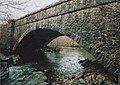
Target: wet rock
x=25, y=75
x=96, y=66
x=92, y=78
x=17, y=71
x=37, y=78
x=3, y=74
x=94, y=74
x=6, y=61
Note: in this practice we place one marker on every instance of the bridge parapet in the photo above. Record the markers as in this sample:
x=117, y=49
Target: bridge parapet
x=60, y=8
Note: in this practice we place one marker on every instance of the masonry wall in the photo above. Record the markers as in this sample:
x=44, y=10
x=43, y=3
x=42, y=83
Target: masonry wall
x=4, y=38
x=94, y=24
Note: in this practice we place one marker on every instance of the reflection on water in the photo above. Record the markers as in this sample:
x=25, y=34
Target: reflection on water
x=65, y=61
x=69, y=65
x=58, y=67
x=54, y=64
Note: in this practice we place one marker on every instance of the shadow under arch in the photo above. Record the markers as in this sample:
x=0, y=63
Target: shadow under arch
x=35, y=39
x=29, y=45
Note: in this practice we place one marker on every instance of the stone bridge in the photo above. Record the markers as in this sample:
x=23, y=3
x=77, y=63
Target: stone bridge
x=93, y=24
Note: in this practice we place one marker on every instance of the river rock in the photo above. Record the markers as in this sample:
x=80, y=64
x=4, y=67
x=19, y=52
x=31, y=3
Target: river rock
x=25, y=75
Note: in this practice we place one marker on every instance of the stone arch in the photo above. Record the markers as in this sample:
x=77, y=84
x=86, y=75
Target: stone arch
x=31, y=38
x=22, y=36
x=83, y=38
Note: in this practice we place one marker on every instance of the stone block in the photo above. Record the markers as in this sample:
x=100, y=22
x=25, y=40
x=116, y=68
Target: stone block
x=92, y=51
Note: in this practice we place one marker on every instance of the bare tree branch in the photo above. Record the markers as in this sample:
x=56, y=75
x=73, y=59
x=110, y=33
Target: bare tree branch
x=7, y=7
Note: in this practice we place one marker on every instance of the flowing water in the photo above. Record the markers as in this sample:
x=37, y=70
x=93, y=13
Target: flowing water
x=55, y=64
x=65, y=61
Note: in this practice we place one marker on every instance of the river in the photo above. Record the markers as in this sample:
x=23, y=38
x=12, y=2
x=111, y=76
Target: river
x=55, y=65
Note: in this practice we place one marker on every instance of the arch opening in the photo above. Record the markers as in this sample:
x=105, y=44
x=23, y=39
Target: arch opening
x=42, y=37
x=36, y=39
x=31, y=45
